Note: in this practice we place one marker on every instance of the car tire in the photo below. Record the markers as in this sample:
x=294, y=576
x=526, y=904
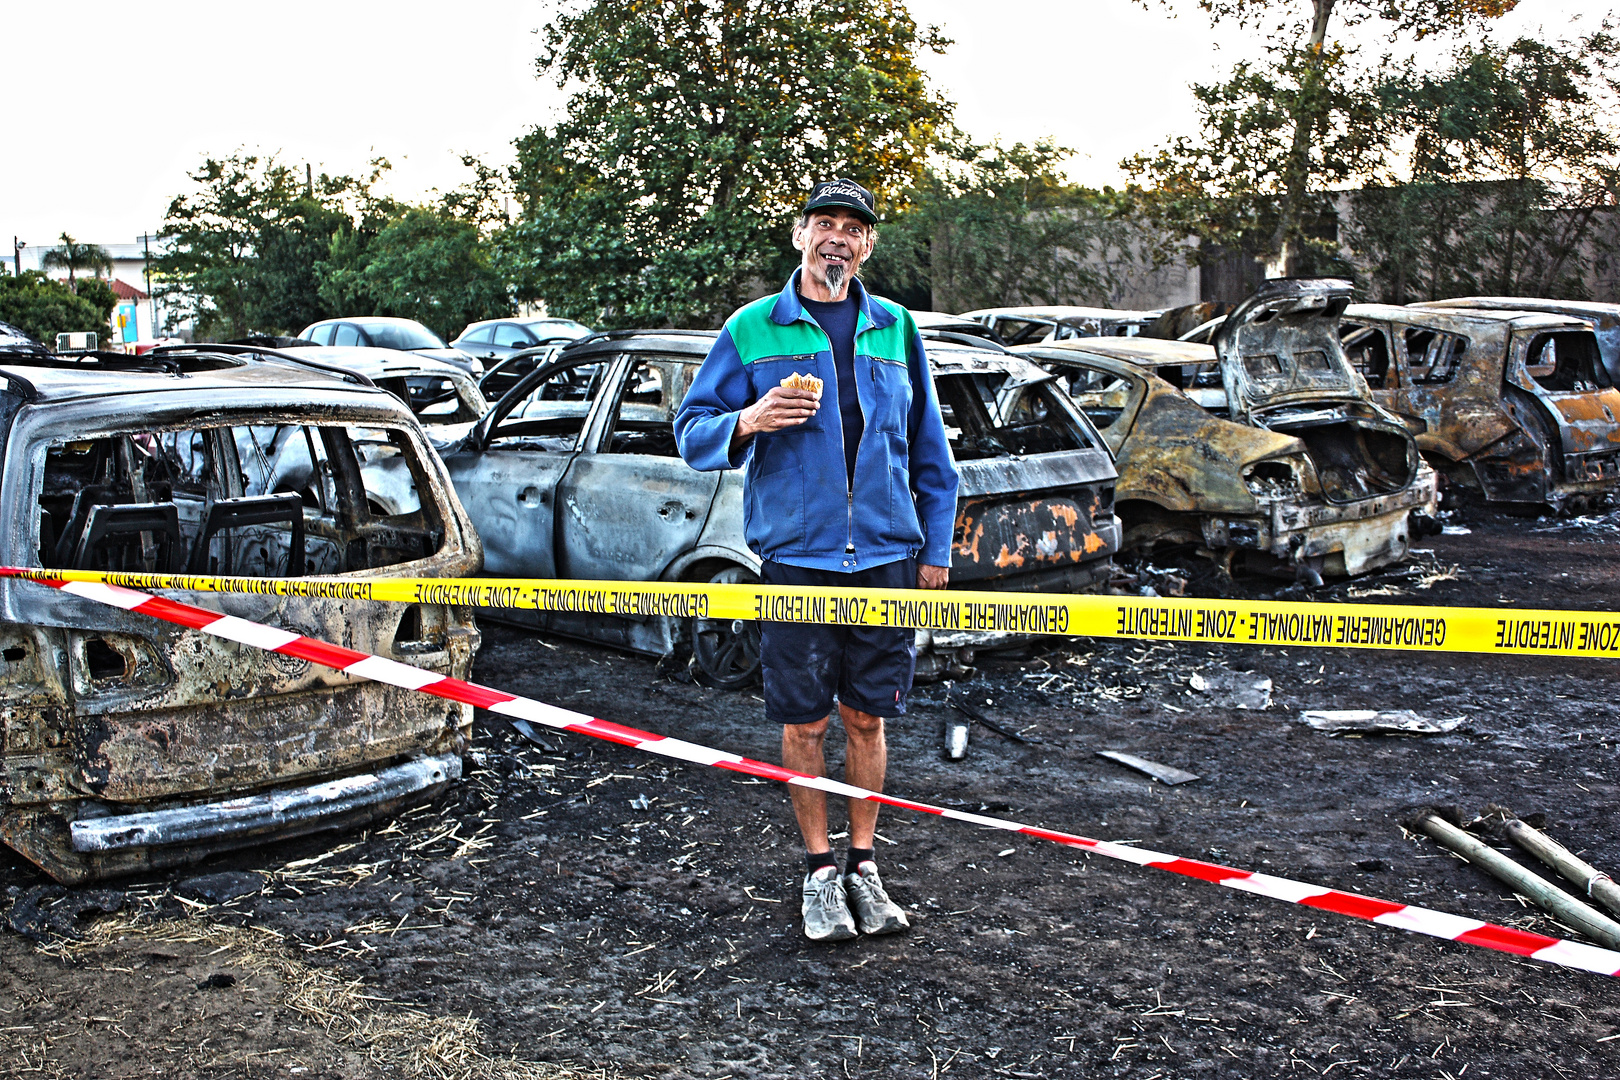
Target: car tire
x=725, y=652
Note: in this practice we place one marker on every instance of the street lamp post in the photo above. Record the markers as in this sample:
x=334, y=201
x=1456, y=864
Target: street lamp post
x=16, y=255
x=151, y=303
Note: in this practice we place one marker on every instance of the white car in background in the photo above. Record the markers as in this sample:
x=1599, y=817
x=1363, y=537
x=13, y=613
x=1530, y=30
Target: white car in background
x=382, y=332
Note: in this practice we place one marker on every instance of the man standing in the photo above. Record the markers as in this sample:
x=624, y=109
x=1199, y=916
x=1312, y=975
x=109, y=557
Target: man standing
x=863, y=497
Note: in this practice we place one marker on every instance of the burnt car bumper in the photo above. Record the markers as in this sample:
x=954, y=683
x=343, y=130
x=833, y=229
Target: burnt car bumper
x=1362, y=535
x=284, y=812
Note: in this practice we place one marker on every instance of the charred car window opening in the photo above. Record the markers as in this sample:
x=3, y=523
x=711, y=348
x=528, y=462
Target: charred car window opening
x=1433, y=356
x=552, y=415
x=432, y=398
x=1102, y=395
x=644, y=422
x=264, y=500
x=1367, y=348
x=988, y=415
x=1565, y=363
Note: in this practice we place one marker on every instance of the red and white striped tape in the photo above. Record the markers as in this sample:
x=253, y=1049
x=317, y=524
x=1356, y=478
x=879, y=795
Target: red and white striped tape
x=522, y=711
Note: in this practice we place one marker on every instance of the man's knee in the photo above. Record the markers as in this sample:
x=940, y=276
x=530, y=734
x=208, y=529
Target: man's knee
x=809, y=735
x=861, y=724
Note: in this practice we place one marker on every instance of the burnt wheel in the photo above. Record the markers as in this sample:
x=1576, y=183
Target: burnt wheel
x=725, y=652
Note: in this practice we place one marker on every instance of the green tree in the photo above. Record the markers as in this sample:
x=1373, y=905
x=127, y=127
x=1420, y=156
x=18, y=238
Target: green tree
x=72, y=256
x=692, y=134
x=1278, y=134
x=425, y=265
x=244, y=246
x=43, y=308
x=1512, y=177
x=999, y=225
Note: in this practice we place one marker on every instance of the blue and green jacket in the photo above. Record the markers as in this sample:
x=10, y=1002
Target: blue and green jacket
x=800, y=506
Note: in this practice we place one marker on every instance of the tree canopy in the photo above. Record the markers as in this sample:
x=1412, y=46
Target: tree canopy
x=693, y=133
x=1279, y=133
x=994, y=225
x=43, y=308
x=1513, y=164
x=259, y=248
x=423, y=265
x=72, y=256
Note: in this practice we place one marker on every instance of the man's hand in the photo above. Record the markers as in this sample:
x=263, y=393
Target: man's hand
x=932, y=577
x=779, y=408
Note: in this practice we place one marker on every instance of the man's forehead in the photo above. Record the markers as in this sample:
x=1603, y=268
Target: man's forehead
x=838, y=216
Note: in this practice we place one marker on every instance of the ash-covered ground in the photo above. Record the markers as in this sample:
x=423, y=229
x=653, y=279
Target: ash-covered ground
x=588, y=909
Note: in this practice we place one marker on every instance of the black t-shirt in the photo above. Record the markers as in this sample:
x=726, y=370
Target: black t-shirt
x=838, y=319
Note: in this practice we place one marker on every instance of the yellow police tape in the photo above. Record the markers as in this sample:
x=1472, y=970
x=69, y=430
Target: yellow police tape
x=1247, y=622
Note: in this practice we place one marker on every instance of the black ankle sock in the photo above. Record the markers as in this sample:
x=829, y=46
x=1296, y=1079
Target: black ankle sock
x=816, y=862
x=858, y=856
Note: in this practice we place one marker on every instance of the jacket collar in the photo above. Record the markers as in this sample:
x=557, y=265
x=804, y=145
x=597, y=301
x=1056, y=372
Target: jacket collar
x=788, y=310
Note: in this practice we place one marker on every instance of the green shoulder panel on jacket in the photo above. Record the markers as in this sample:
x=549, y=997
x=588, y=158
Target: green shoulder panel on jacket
x=893, y=341
x=757, y=336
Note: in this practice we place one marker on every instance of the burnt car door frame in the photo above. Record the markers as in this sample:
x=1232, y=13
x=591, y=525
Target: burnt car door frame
x=653, y=520
x=516, y=489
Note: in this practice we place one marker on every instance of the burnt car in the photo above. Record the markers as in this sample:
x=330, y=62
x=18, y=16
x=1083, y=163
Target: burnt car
x=1031, y=325
x=131, y=744
x=1605, y=318
x=1515, y=405
x=575, y=474
x=1275, y=493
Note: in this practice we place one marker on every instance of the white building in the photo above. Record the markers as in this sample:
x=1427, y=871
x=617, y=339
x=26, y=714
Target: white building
x=139, y=315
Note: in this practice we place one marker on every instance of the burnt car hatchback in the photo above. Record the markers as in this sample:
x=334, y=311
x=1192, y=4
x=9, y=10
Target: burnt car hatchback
x=575, y=474
x=131, y=744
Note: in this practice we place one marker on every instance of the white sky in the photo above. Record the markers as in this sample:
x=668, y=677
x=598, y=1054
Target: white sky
x=336, y=81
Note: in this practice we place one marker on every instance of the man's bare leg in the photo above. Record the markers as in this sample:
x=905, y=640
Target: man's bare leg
x=801, y=752
x=866, y=759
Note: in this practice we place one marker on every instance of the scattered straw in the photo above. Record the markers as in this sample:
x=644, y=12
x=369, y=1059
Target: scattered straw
x=1430, y=578
x=398, y=1042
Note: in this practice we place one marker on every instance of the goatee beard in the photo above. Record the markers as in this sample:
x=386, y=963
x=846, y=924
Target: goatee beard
x=836, y=275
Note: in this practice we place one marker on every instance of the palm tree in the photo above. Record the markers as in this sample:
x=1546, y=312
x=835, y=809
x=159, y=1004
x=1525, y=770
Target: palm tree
x=74, y=256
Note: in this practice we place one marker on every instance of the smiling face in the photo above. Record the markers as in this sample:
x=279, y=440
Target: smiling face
x=833, y=243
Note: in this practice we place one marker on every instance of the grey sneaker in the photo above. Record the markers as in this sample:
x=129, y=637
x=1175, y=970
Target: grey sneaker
x=875, y=912
x=826, y=908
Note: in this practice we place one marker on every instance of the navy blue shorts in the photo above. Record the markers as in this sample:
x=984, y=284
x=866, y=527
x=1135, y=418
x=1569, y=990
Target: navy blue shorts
x=868, y=668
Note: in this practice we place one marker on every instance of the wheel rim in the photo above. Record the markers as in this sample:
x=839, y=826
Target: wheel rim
x=726, y=656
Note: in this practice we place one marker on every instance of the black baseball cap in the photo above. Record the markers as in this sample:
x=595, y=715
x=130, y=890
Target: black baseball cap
x=846, y=194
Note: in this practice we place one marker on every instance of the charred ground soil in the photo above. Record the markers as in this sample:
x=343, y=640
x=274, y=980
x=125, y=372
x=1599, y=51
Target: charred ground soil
x=586, y=909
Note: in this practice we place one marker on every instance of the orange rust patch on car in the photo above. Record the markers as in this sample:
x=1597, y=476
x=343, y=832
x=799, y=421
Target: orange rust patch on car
x=1010, y=558
x=1067, y=514
x=968, y=545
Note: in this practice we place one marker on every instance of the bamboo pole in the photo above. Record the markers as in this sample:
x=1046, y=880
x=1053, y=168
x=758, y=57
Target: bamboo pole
x=1555, y=901
x=1598, y=885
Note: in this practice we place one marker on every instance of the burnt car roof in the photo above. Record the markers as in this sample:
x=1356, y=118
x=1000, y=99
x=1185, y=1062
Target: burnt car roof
x=66, y=380
x=1066, y=313
x=1586, y=309
x=944, y=355
x=1528, y=320
x=1138, y=351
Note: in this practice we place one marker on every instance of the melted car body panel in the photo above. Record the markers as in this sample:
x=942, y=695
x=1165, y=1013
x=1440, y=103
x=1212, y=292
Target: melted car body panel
x=1516, y=404
x=1279, y=459
x=110, y=713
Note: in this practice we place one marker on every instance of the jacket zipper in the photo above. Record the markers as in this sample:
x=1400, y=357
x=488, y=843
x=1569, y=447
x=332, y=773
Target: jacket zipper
x=849, y=490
